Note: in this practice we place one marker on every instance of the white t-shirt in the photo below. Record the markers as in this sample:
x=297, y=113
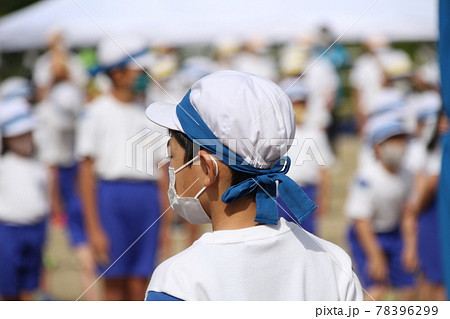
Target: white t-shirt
x=309, y=156
x=415, y=156
x=378, y=196
x=433, y=164
x=282, y=262
x=23, y=190
x=107, y=132
x=322, y=82
x=55, y=144
x=367, y=78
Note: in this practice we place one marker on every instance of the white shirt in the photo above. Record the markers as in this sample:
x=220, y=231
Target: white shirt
x=434, y=162
x=107, y=133
x=282, y=262
x=378, y=196
x=55, y=144
x=311, y=154
x=322, y=82
x=416, y=155
x=367, y=78
x=23, y=190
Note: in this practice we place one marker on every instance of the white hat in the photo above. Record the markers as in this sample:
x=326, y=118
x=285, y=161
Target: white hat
x=427, y=106
x=15, y=86
x=15, y=118
x=395, y=64
x=376, y=42
x=389, y=100
x=116, y=52
x=67, y=101
x=293, y=60
x=249, y=114
x=227, y=46
x=383, y=127
x=429, y=73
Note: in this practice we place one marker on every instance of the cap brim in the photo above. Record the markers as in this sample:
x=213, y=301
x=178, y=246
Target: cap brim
x=164, y=114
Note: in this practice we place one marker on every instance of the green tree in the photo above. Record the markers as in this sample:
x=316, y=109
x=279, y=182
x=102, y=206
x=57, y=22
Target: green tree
x=8, y=6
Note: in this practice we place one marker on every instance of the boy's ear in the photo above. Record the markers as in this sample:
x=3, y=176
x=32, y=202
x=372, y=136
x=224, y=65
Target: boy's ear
x=209, y=167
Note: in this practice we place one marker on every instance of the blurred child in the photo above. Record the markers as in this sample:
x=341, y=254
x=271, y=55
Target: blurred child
x=420, y=224
x=55, y=135
x=366, y=78
x=311, y=157
x=391, y=98
x=320, y=78
x=120, y=203
x=375, y=205
x=23, y=204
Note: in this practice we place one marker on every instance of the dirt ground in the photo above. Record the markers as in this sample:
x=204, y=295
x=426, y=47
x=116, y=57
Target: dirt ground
x=62, y=280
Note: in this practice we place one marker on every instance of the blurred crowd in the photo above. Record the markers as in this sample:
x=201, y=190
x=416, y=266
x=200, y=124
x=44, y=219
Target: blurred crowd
x=66, y=128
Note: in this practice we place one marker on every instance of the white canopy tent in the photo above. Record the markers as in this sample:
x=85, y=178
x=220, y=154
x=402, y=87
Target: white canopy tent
x=181, y=22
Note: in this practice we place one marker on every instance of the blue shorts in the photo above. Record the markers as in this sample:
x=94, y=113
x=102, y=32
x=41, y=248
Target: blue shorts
x=72, y=204
x=392, y=244
x=127, y=209
x=429, y=246
x=310, y=222
x=20, y=258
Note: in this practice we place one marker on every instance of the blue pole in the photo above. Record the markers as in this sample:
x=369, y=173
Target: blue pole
x=444, y=184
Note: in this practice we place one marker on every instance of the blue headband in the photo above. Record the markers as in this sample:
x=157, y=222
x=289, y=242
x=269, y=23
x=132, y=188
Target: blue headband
x=264, y=181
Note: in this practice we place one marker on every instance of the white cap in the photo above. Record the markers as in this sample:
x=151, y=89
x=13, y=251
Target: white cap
x=67, y=101
x=117, y=51
x=381, y=128
x=15, y=86
x=389, y=100
x=293, y=60
x=15, y=118
x=164, y=67
x=227, y=46
x=376, y=41
x=427, y=106
x=429, y=73
x=395, y=64
x=249, y=114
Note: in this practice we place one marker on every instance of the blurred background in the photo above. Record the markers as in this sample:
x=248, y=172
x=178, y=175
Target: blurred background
x=344, y=53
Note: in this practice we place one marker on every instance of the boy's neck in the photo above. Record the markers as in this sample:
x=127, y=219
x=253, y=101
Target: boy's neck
x=123, y=94
x=240, y=214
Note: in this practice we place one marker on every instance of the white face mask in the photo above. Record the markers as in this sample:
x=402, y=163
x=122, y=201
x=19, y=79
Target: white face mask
x=392, y=155
x=188, y=208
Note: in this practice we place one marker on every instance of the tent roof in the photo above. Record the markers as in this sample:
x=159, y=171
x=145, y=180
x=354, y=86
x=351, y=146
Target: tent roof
x=182, y=22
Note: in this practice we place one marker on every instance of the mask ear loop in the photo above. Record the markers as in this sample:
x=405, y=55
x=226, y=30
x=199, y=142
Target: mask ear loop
x=217, y=173
x=186, y=164
x=215, y=163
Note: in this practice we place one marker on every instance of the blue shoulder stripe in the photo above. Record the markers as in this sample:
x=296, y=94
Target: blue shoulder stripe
x=160, y=296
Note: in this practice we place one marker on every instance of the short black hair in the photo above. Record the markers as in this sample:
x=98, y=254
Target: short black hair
x=188, y=145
